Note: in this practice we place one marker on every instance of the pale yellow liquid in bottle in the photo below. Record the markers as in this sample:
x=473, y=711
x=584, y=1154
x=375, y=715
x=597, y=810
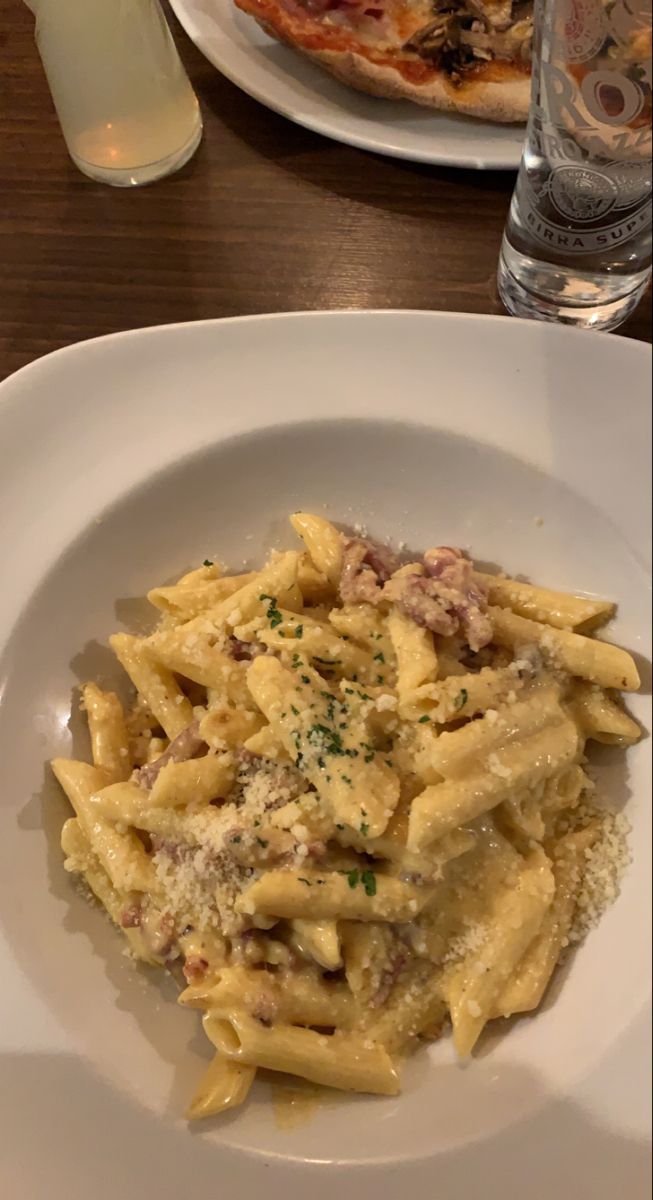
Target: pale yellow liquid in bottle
x=125, y=104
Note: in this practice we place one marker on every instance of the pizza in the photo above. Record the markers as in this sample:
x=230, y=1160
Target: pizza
x=467, y=56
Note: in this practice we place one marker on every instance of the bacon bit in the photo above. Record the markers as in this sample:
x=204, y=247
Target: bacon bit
x=266, y=1009
x=244, y=651
x=159, y=932
x=195, y=968
x=187, y=744
x=366, y=566
x=131, y=917
x=388, y=979
x=176, y=851
x=448, y=598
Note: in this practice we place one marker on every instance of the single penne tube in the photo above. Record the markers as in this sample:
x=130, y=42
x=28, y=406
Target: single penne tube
x=472, y=987
x=267, y=743
x=416, y=658
x=119, y=802
x=155, y=683
x=391, y=846
x=340, y=1061
x=109, y=739
x=226, y=726
x=289, y=997
x=204, y=574
x=601, y=718
x=186, y=600
x=319, y=941
x=189, y=650
x=79, y=858
x=329, y=747
x=364, y=624
x=466, y=695
x=445, y=806
x=414, y=1007
x=225, y=1084
x=198, y=780
x=313, y=585
x=355, y=895
x=323, y=542
x=121, y=854
x=598, y=662
x=452, y=754
x=526, y=986
x=560, y=609
x=371, y=951
x=274, y=583
x=315, y=641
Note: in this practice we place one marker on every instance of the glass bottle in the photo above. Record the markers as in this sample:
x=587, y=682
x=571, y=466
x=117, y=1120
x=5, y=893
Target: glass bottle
x=125, y=104
x=577, y=244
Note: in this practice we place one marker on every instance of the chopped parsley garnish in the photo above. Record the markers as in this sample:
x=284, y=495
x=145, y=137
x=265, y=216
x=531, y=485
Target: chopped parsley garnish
x=339, y=826
x=304, y=678
x=296, y=660
x=326, y=739
x=462, y=698
x=364, y=828
x=300, y=879
x=235, y=840
x=368, y=880
x=262, y=842
x=349, y=691
x=207, y=562
x=299, y=631
x=380, y=657
x=273, y=615
x=294, y=711
x=423, y=720
x=346, y=779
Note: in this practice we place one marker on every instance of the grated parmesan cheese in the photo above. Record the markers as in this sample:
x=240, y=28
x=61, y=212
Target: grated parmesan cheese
x=605, y=864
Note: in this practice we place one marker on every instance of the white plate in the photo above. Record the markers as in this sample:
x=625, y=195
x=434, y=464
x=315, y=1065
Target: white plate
x=298, y=89
x=125, y=459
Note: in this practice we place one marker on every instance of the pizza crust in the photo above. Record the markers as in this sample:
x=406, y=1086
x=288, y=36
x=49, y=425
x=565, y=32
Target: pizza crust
x=505, y=100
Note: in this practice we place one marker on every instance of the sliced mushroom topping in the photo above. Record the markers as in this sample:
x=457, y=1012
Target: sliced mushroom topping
x=473, y=31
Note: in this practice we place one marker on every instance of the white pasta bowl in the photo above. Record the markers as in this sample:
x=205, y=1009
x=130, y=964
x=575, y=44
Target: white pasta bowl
x=126, y=460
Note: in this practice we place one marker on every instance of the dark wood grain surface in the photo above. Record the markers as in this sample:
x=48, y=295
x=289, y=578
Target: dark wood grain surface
x=266, y=217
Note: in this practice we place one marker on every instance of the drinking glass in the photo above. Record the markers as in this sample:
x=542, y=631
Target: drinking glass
x=577, y=244
x=125, y=104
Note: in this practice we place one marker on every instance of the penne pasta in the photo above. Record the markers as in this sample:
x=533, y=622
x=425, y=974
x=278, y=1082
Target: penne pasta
x=350, y=803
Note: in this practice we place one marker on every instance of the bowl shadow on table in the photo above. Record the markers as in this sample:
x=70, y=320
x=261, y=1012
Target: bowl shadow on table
x=393, y=185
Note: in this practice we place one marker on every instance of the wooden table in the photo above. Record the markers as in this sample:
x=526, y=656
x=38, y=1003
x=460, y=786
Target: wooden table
x=266, y=217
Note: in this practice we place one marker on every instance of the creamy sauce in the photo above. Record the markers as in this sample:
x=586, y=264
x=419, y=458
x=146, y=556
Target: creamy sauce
x=295, y=1105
